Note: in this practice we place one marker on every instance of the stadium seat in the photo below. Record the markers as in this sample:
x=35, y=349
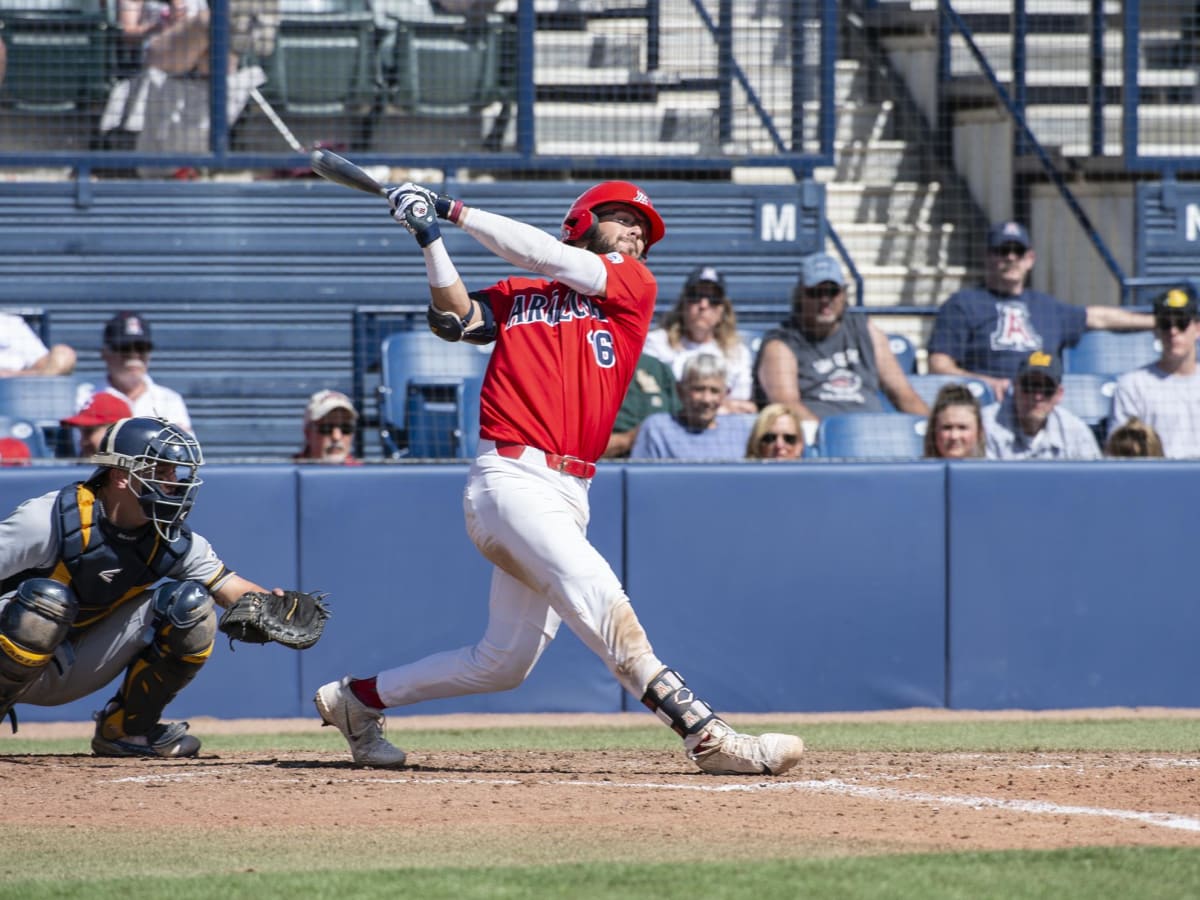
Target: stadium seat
x=324, y=58
x=1111, y=352
x=871, y=436
x=905, y=352
x=1090, y=397
x=409, y=355
x=28, y=432
x=443, y=417
x=59, y=54
x=927, y=387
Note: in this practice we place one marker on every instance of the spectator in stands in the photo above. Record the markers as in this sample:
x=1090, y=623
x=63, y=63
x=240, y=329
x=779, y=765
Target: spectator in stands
x=986, y=331
x=1029, y=423
x=3, y=60
x=696, y=431
x=955, y=427
x=14, y=452
x=825, y=362
x=23, y=353
x=777, y=434
x=102, y=409
x=126, y=354
x=703, y=320
x=330, y=421
x=1166, y=393
x=652, y=390
x=1134, y=439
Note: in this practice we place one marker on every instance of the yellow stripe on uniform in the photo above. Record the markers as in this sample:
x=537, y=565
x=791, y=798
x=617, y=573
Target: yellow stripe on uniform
x=24, y=657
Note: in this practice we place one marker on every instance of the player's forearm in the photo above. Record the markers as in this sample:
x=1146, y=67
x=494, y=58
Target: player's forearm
x=532, y=249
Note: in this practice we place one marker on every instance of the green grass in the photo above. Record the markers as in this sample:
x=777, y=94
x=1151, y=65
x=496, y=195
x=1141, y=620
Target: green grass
x=1165, y=735
x=1097, y=874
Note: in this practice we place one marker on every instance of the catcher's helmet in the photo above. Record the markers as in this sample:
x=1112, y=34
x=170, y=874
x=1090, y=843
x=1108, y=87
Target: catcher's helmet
x=162, y=460
x=580, y=218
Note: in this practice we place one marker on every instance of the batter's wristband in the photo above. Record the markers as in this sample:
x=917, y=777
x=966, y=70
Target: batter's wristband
x=448, y=208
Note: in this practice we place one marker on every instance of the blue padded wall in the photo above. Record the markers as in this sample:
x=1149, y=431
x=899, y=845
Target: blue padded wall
x=814, y=587
x=1072, y=585
x=391, y=547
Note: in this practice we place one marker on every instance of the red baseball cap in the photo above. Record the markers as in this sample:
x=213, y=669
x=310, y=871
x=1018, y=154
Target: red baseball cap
x=14, y=452
x=102, y=408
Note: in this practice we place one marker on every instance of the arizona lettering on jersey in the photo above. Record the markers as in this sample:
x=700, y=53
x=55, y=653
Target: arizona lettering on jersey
x=562, y=362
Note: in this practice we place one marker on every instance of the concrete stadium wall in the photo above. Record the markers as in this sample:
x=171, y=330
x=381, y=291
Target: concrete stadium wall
x=771, y=588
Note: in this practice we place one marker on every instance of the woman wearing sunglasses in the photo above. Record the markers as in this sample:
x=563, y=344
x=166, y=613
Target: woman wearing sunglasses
x=776, y=434
x=703, y=321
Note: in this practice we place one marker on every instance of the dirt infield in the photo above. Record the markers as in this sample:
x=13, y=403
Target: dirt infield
x=543, y=807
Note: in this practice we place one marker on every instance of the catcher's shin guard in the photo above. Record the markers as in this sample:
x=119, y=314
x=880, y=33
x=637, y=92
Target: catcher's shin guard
x=185, y=626
x=674, y=703
x=34, y=621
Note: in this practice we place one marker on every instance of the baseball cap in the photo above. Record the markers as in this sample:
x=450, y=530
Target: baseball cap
x=818, y=268
x=322, y=403
x=125, y=329
x=102, y=408
x=1178, y=299
x=1008, y=233
x=14, y=452
x=1039, y=362
x=704, y=275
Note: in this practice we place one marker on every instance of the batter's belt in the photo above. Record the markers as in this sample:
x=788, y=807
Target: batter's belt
x=568, y=465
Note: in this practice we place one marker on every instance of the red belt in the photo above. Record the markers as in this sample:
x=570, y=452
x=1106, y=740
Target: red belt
x=570, y=465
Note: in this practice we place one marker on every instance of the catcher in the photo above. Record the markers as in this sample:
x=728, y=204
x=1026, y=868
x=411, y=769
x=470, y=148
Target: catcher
x=104, y=576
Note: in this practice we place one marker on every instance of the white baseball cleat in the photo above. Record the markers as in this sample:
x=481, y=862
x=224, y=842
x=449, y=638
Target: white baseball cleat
x=723, y=751
x=360, y=725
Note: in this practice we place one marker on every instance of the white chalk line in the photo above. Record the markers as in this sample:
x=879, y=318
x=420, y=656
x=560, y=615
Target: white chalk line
x=827, y=786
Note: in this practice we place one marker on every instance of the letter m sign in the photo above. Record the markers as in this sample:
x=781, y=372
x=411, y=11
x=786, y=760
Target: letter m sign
x=777, y=222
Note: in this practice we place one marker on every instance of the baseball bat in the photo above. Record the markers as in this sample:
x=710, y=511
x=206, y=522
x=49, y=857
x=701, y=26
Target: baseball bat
x=341, y=171
x=269, y=112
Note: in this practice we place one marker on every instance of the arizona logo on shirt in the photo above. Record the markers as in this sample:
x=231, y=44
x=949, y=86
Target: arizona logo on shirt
x=1014, y=331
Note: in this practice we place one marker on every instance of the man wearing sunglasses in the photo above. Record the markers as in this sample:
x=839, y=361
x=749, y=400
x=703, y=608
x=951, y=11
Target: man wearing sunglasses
x=822, y=361
x=126, y=355
x=1166, y=393
x=986, y=331
x=1029, y=423
x=330, y=420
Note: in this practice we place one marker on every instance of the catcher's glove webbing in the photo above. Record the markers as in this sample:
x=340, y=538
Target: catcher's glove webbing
x=295, y=620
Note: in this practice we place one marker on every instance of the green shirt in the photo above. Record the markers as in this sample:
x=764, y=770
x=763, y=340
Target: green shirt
x=652, y=390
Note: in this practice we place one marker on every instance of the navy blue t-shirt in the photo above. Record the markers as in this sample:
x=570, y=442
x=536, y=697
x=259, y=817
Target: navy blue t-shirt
x=990, y=334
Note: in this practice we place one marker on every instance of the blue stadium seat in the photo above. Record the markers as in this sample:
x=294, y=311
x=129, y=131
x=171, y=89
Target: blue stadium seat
x=408, y=355
x=906, y=353
x=443, y=417
x=1111, y=352
x=1090, y=397
x=27, y=432
x=927, y=387
x=871, y=436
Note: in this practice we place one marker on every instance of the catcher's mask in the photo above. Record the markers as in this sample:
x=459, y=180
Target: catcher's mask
x=163, y=461
x=580, y=218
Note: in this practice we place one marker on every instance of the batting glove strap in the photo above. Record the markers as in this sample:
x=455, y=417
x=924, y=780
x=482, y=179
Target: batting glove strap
x=448, y=208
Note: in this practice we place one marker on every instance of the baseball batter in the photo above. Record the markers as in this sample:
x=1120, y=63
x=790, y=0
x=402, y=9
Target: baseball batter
x=566, y=348
x=76, y=603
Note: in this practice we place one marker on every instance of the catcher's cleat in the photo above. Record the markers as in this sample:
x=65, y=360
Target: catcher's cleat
x=360, y=725
x=166, y=740
x=723, y=751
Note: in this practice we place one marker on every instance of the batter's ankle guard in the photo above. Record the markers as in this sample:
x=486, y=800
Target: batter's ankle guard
x=674, y=703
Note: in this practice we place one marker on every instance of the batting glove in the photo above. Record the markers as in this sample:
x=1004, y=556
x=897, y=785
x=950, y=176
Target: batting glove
x=414, y=207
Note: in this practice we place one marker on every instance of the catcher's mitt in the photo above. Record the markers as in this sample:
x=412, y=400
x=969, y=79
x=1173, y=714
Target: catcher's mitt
x=295, y=620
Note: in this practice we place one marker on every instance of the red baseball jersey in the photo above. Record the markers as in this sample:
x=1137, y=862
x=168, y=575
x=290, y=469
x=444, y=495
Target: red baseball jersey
x=562, y=362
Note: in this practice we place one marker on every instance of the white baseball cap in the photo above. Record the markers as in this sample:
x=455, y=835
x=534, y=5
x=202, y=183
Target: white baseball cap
x=322, y=403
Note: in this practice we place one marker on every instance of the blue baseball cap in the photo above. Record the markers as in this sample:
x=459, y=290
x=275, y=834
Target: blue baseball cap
x=1039, y=362
x=819, y=268
x=704, y=275
x=1008, y=233
x=1180, y=299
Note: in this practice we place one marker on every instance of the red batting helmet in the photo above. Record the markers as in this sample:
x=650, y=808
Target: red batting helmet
x=580, y=217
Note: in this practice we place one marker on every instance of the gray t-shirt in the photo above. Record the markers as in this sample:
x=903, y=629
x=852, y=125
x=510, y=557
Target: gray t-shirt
x=1063, y=436
x=28, y=541
x=837, y=374
x=1170, y=404
x=663, y=437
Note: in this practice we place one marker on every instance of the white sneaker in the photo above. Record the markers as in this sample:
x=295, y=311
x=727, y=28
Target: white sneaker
x=360, y=725
x=723, y=751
